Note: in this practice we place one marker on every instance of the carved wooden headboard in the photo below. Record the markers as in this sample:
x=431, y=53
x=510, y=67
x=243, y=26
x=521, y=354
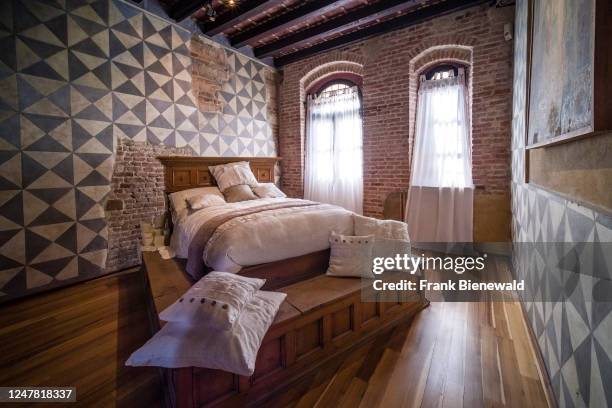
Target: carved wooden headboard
x=184, y=172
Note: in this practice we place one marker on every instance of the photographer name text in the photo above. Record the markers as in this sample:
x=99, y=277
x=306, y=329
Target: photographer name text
x=450, y=285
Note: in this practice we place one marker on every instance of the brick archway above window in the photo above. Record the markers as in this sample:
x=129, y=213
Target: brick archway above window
x=347, y=77
x=437, y=54
x=318, y=73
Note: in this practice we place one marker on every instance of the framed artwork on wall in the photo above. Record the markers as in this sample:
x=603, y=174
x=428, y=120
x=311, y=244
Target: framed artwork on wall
x=570, y=70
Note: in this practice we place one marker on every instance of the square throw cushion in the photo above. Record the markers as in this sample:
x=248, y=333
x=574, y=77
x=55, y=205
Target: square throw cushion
x=183, y=345
x=233, y=174
x=239, y=193
x=204, y=201
x=268, y=190
x=390, y=236
x=350, y=255
x=215, y=301
x=178, y=200
x=389, y=229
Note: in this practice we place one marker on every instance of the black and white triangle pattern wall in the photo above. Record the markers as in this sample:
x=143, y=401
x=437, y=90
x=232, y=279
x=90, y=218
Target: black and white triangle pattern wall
x=243, y=125
x=564, y=252
x=76, y=76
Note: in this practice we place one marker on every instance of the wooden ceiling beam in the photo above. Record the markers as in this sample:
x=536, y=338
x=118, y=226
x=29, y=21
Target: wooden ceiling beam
x=184, y=9
x=289, y=19
x=352, y=19
x=242, y=12
x=403, y=21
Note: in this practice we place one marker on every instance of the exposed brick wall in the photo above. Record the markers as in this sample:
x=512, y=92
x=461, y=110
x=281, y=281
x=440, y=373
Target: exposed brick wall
x=389, y=95
x=210, y=71
x=272, y=79
x=137, y=195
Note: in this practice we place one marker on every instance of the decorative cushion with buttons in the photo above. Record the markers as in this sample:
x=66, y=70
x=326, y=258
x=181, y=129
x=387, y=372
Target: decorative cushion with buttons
x=350, y=255
x=215, y=301
x=235, y=350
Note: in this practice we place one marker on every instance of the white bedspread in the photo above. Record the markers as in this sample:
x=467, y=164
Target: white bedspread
x=263, y=237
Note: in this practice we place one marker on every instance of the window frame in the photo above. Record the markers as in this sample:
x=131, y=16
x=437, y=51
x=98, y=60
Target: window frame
x=428, y=75
x=340, y=77
x=442, y=67
x=315, y=89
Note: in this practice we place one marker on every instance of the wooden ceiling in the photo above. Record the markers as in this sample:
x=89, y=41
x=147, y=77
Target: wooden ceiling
x=290, y=30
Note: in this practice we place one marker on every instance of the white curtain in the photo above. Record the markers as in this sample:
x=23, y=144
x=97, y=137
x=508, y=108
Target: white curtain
x=334, y=157
x=441, y=194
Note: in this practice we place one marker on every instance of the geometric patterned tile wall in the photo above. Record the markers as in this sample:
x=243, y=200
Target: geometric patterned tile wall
x=573, y=328
x=75, y=76
x=242, y=128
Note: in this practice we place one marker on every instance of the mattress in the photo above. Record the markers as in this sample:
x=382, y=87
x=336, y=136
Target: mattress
x=300, y=227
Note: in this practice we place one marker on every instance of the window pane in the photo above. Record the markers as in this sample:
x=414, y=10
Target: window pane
x=334, y=148
x=442, y=155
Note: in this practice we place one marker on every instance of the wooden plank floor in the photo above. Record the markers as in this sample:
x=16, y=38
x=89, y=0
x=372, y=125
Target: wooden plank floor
x=453, y=354
x=81, y=336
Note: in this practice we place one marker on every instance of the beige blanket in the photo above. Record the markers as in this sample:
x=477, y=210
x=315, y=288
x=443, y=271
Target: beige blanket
x=236, y=235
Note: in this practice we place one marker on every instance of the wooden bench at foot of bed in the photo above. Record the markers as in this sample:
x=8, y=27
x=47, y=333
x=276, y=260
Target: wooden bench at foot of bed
x=322, y=318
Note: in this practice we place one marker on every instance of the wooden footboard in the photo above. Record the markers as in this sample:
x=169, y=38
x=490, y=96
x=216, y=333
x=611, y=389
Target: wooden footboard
x=288, y=271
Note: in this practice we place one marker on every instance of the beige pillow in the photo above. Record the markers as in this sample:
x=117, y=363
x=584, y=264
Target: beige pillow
x=204, y=201
x=235, y=351
x=215, y=301
x=178, y=200
x=389, y=229
x=350, y=255
x=268, y=190
x=390, y=236
x=239, y=193
x=233, y=174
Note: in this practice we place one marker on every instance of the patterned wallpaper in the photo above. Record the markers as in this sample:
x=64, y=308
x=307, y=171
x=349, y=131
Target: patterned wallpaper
x=76, y=76
x=242, y=128
x=564, y=282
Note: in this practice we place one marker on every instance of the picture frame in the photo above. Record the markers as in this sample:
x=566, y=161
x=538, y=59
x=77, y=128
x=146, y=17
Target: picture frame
x=569, y=71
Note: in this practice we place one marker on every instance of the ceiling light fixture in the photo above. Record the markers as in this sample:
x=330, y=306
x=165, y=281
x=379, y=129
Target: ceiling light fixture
x=231, y=3
x=209, y=12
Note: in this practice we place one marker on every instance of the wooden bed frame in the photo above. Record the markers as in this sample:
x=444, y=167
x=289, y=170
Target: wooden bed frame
x=184, y=172
x=322, y=318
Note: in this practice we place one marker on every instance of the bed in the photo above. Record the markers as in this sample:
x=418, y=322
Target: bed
x=260, y=231
x=285, y=241
x=281, y=239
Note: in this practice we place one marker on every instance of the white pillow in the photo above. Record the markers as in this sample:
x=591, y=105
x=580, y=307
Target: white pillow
x=178, y=200
x=390, y=236
x=233, y=174
x=390, y=229
x=181, y=345
x=350, y=255
x=215, y=301
x=268, y=190
x=204, y=201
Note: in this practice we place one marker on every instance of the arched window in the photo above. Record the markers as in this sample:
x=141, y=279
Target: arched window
x=442, y=71
x=334, y=155
x=335, y=87
x=440, y=199
x=442, y=155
